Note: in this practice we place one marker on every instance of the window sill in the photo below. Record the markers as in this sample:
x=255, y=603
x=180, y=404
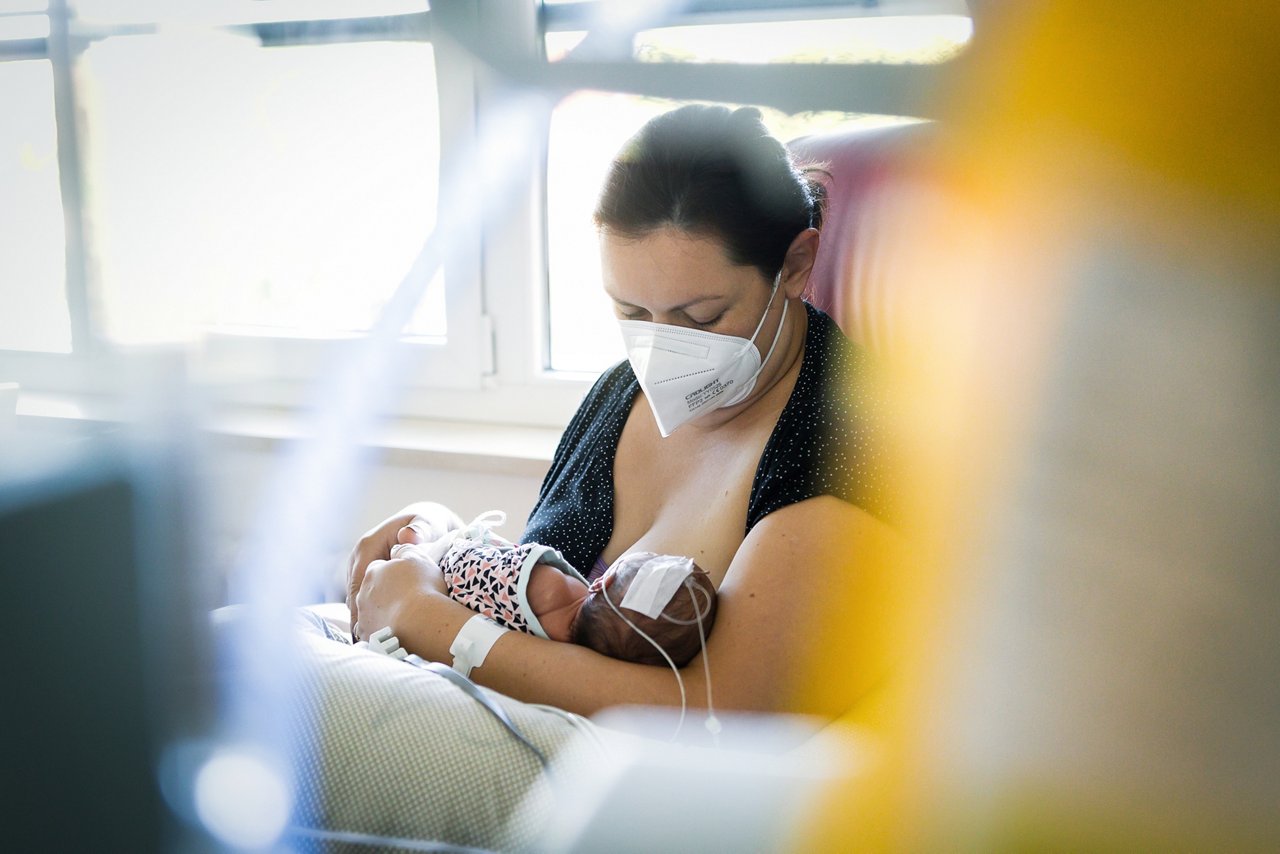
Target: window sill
x=416, y=442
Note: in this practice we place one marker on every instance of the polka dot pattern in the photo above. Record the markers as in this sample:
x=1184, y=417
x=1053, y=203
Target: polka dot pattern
x=825, y=443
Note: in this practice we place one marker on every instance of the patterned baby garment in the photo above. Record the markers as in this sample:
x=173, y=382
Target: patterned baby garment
x=491, y=577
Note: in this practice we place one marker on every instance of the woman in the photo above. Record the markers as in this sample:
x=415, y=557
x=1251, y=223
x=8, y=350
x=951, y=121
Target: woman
x=756, y=459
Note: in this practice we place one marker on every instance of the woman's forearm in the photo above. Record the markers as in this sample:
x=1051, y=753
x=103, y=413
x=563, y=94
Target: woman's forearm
x=535, y=670
x=578, y=679
x=427, y=622
x=781, y=641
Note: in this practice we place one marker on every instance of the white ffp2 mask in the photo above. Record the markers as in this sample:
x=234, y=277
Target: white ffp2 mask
x=685, y=373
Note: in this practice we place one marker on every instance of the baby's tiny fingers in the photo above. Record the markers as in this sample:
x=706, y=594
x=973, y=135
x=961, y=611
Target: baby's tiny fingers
x=416, y=531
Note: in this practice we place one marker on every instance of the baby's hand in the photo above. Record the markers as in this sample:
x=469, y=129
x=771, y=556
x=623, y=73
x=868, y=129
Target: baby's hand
x=417, y=531
x=403, y=549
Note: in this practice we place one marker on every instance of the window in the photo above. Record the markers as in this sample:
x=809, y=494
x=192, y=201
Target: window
x=589, y=126
x=248, y=177
x=33, y=296
x=251, y=179
x=258, y=189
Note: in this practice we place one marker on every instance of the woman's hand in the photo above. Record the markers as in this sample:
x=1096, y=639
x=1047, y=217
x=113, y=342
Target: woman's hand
x=390, y=588
x=418, y=522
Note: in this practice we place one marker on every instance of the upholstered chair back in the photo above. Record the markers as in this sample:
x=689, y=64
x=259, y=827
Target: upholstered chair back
x=852, y=278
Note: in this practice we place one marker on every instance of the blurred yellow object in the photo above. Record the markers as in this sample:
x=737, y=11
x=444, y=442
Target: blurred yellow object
x=1085, y=632
x=1181, y=90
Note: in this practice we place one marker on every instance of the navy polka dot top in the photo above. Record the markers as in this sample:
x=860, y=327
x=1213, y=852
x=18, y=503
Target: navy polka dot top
x=822, y=445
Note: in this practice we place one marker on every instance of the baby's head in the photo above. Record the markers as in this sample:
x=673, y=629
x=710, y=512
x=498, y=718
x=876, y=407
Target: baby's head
x=676, y=627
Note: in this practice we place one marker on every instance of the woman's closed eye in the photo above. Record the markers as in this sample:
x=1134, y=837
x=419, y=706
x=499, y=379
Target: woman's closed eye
x=700, y=321
x=704, y=324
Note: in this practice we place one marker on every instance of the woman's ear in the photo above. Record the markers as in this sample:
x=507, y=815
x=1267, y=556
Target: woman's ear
x=799, y=263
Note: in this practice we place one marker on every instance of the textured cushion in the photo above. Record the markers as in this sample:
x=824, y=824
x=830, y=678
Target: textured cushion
x=398, y=751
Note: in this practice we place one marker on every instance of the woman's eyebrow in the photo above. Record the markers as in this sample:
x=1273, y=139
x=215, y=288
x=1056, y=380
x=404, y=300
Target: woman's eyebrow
x=694, y=302
x=681, y=307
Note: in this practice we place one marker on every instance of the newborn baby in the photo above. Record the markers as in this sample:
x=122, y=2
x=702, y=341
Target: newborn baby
x=642, y=604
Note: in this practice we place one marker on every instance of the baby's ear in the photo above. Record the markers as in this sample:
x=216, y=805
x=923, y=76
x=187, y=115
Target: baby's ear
x=602, y=582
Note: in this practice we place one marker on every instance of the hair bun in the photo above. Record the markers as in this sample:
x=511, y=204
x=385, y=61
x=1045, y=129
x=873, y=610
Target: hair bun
x=711, y=170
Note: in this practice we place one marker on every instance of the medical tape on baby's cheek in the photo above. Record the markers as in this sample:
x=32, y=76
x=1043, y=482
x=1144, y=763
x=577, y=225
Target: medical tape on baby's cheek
x=655, y=582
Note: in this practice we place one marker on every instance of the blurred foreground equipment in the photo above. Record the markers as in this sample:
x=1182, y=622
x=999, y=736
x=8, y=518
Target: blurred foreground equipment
x=1090, y=647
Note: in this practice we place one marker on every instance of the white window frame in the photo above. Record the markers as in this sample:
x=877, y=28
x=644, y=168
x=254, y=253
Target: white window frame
x=470, y=375
x=494, y=366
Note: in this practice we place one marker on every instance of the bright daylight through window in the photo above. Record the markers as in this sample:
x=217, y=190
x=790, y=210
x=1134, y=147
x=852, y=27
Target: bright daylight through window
x=32, y=272
x=588, y=128
x=233, y=167
x=268, y=170
x=281, y=189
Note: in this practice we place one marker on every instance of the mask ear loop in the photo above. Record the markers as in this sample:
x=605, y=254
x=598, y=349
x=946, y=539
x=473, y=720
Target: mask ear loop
x=776, y=335
x=777, y=281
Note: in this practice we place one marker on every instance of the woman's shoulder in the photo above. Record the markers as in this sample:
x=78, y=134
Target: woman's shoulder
x=837, y=376
x=614, y=380
x=598, y=421
x=827, y=348
x=829, y=439
x=574, y=510
x=610, y=395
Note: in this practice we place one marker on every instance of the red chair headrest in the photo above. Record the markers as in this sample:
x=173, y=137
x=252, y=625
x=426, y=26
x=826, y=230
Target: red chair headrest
x=857, y=166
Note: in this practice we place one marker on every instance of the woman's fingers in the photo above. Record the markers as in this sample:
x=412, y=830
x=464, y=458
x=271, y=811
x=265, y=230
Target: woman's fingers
x=364, y=620
x=360, y=559
x=371, y=578
x=416, y=524
x=385, y=562
x=374, y=545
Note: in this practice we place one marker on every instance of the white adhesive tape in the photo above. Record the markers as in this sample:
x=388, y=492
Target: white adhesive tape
x=655, y=582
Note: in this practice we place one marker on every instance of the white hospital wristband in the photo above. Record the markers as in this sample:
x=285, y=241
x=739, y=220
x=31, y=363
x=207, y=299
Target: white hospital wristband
x=476, y=637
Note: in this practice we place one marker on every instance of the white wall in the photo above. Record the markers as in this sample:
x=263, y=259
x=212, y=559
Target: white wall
x=471, y=468
x=237, y=472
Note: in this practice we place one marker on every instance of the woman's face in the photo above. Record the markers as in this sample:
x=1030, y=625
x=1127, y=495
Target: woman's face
x=672, y=277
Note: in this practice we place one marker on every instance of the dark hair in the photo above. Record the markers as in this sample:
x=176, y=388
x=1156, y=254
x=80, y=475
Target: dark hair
x=708, y=170
x=676, y=629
